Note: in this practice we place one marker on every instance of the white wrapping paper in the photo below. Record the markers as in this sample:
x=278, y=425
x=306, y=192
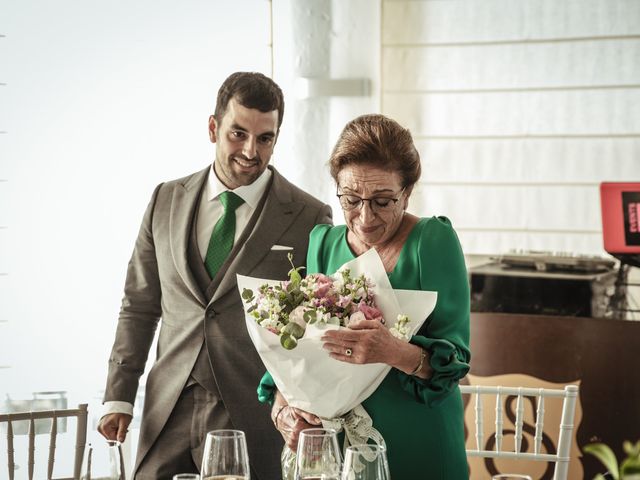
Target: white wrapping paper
x=311, y=380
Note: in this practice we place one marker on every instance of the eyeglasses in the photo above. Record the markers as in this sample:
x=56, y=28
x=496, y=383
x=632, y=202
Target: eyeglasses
x=376, y=204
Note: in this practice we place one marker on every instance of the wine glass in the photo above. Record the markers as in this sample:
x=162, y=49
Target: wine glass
x=318, y=455
x=225, y=456
x=365, y=462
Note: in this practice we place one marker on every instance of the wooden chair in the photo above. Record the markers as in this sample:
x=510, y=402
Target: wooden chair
x=561, y=457
x=81, y=438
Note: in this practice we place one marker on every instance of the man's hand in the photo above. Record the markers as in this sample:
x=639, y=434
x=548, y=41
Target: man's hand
x=114, y=426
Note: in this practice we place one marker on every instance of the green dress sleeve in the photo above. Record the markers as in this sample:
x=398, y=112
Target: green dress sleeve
x=267, y=387
x=445, y=334
x=315, y=260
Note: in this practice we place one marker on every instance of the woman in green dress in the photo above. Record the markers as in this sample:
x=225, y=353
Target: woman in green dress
x=418, y=407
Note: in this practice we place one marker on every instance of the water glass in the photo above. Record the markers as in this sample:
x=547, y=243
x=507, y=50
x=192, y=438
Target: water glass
x=105, y=461
x=318, y=455
x=365, y=462
x=225, y=456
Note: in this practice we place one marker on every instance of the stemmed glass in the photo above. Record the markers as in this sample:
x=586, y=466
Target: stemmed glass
x=365, y=462
x=225, y=456
x=318, y=455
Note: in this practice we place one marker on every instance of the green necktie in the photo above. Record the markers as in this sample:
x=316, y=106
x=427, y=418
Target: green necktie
x=221, y=240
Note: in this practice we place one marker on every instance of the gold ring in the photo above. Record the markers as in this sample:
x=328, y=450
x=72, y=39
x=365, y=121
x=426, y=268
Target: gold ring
x=348, y=352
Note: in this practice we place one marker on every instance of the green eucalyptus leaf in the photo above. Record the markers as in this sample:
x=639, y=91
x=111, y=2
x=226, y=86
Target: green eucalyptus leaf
x=247, y=295
x=294, y=330
x=310, y=317
x=288, y=342
x=606, y=456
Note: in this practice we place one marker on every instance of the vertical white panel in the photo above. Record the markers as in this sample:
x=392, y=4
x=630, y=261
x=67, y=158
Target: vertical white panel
x=323, y=41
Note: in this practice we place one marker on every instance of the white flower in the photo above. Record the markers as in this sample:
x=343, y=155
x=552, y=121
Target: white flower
x=307, y=289
x=328, y=299
x=297, y=316
x=356, y=317
x=272, y=325
x=270, y=304
x=401, y=328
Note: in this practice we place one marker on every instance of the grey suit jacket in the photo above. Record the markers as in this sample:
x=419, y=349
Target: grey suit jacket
x=160, y=290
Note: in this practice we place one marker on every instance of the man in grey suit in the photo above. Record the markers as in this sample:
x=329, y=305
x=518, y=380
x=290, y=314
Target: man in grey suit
x=206, y=369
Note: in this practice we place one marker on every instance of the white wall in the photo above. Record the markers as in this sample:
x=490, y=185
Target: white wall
x=520, y=108
x=103, y=100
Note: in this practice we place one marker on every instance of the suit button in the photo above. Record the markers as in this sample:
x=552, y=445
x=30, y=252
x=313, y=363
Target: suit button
x=210, y=314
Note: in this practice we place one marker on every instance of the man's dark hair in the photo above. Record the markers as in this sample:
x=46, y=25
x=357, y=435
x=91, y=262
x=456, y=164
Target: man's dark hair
x=251, y=90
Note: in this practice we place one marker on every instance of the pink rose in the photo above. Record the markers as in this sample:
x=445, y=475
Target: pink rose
x=322, y=285
x=372, y=313
x=344, y=301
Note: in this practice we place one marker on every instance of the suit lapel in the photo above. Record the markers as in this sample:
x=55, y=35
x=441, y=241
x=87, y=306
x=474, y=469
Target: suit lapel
x=277, y=215
x=185, y=199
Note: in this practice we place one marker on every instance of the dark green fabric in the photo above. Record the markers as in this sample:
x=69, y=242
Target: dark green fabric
x=221, y=240
x=421, y=420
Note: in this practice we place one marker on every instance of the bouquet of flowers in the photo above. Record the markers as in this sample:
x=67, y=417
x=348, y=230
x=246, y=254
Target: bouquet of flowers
x=294, y=314
x=286, y=308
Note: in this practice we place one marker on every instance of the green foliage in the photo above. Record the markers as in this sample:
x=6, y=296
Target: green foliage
x=247, y=295
x=606, y=456
x=294, y=273
x=288, y=341
x=286, y=308
x=629, y=465
x=310, y=316
x=294, y=330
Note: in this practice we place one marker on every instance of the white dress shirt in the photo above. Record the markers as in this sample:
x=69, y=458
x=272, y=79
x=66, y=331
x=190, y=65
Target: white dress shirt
x=211, y=208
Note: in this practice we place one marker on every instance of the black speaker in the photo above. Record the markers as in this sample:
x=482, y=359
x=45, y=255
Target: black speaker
x=504, y=289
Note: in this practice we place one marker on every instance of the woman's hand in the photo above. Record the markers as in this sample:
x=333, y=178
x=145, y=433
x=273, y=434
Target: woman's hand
x=365, y=341
x=369, y=341
x=290, y=421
